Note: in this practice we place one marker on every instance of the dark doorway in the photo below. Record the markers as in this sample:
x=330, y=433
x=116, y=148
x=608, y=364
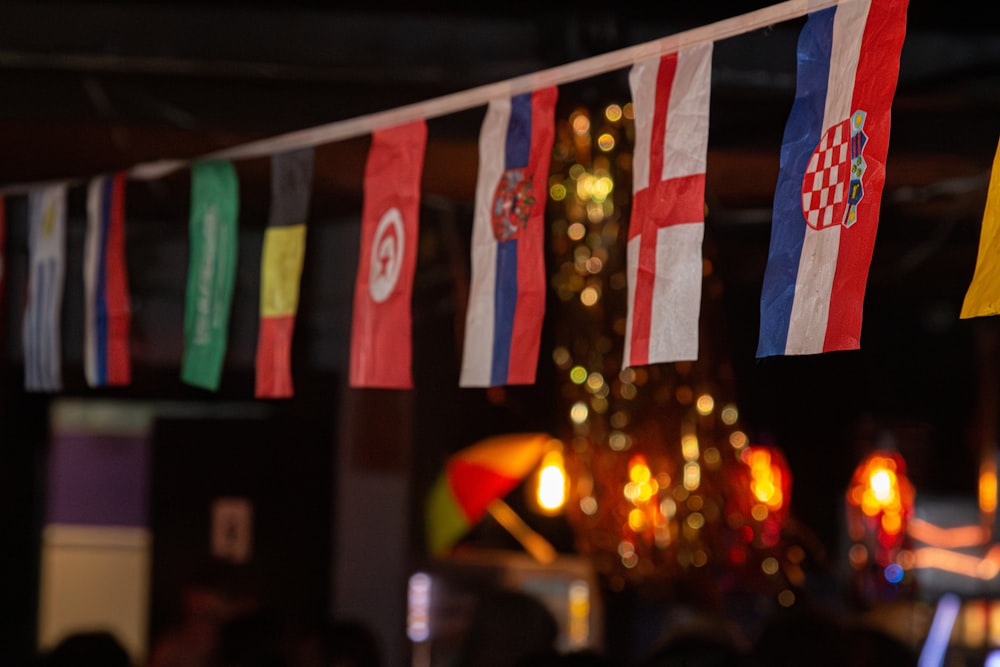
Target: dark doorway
x=278, y=468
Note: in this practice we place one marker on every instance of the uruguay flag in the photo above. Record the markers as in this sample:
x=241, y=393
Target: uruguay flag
x=832, y=172
x=503, y=325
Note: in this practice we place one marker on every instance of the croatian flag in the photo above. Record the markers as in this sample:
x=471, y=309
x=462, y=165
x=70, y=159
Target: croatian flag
x=42, y=332
x=107, y=311
x=503, y=324
x=832, y=172
x=670, y=96
x=381, y=345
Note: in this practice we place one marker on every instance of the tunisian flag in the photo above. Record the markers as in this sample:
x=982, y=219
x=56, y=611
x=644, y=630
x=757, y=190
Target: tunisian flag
x=671, y=99
x=380, y=332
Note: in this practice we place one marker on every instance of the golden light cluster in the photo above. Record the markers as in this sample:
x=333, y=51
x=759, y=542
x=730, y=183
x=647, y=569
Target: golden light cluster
x=650, y=449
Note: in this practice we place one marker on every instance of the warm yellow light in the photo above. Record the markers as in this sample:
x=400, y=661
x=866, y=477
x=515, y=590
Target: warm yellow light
x=551, y=488
x=692, y=476
x=589, y=296
x=639, y=472
x=892, y=523
x=605, y=142
x=557, y=192
x=705, y=404
x=579, y=412
x=613, y=112
x=689, y=447
x=738, y=439
x=882, y=484
x=988, y=489
x=579, y=613
x=730, y=414
x=580, y=122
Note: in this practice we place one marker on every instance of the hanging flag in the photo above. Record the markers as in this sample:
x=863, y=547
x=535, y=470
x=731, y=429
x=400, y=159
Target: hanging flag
x=281, y=270
x=670, y=96
x=503, y=324
x=380, y=331
x=46, y=282
x=211, y=271
x=107, y=309
x=983, y=296
x=832, y=172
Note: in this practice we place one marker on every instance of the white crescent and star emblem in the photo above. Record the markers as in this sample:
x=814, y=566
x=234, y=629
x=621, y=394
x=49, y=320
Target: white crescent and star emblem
x=387, y=255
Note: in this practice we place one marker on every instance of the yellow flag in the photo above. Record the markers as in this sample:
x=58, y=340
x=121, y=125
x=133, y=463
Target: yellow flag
x=983, y=297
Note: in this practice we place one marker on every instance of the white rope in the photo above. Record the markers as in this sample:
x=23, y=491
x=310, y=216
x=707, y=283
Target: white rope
x=474, y=97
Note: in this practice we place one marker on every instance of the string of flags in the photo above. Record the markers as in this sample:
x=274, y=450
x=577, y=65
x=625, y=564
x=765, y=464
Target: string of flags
x=826, y=207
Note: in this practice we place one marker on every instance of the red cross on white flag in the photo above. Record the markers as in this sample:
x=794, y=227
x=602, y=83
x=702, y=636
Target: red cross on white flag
x=670, y=96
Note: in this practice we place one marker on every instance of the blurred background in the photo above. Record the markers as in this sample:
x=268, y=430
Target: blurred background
x=328, y=488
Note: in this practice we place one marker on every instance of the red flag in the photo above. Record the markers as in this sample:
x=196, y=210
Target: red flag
x=380, y=332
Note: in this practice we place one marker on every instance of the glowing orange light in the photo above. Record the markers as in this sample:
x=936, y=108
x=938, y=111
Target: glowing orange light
x=988, y=488
x=551, y=483
x=765, y=478
x=880, y=504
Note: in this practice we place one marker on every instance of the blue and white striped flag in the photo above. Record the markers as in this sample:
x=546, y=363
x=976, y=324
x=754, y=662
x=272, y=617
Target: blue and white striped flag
x=46, y=281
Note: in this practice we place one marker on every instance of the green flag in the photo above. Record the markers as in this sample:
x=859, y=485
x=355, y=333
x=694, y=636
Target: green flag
x=211, y=271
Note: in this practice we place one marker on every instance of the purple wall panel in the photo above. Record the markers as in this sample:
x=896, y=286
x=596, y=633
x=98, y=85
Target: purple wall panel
x=98, y=480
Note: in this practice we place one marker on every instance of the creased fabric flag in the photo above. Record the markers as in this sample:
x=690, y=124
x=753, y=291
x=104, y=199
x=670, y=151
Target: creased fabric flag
x=831, y=176
x=503, y=324
x=281, y=270
x=46, y=284
x=107, y=306
x=212, y=234
x=380, y=332
x=983, y=295
x=670, y=96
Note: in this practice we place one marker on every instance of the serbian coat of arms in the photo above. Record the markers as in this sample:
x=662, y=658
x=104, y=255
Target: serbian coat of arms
x=513, y=203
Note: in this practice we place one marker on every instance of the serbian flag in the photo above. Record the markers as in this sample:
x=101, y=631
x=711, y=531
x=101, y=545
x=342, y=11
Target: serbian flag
x=983, y=295
x=281, y=270
x=380, y=332
x=107, y=311
x=46, y=282
x=670, y=96
x=831, y=176
x=503, y=324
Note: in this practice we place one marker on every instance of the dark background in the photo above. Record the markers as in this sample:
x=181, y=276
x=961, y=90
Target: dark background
x=94, y=86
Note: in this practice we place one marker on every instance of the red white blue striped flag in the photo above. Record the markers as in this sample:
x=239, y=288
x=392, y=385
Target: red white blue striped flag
x=107, y=307
x=42, y=338
x=832, y=171
x=503, y=325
